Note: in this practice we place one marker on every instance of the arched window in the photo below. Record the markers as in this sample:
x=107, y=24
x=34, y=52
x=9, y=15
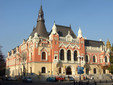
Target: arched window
x=60, y=70
x=69, y=55
x=43, y=70
x=86, y=58
x=106, y=59
x=43, y=56
x=94, y=59
x=62, y=54
x=94, y=70
x=75, y=56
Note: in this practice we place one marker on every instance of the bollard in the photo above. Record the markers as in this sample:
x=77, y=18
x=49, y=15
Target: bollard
x=100, y=81
x=82, y=83
x=74, y=82
x=106, y=81
x=79, y=82
x=87, y=83
x=95, y=83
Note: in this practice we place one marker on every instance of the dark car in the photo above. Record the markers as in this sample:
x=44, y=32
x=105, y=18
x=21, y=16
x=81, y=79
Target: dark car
x=9, y=79
x=4, y=78
x=27, y=79
x=51, y=79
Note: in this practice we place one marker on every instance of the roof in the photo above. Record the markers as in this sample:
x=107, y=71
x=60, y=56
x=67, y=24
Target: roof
x=40, y=29
x=63, y=31
x=93, y=43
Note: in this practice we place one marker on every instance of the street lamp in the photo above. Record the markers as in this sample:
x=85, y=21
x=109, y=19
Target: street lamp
x=80, y=69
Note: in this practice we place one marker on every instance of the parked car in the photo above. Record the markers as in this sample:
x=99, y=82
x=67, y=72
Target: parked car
x=51, y=79
x=14, y=79
x=66, y=78
x=69, y=78
x=9, y=79
x=60, y=78
x=27, y=79
x=4, y=78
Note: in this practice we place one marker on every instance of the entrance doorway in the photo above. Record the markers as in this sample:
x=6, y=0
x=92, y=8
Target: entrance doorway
x=68, y=71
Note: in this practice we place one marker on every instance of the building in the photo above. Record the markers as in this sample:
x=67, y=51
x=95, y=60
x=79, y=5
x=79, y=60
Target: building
x=58, y=52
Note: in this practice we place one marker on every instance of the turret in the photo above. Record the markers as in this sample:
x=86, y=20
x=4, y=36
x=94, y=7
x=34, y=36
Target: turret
x=79, y=33
x=108, y=45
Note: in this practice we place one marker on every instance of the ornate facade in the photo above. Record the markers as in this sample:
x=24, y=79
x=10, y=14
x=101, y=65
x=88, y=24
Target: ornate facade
x=58, y=52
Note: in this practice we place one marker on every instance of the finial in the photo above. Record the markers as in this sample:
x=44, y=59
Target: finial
x=79, y=28
x=41, y=4
x=54, y=22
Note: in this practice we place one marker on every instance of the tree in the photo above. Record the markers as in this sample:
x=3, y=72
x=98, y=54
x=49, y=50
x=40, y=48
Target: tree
x=2, y=63
x=111, y=61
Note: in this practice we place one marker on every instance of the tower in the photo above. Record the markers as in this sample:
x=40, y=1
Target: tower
x=108, y=45
x=40, y=27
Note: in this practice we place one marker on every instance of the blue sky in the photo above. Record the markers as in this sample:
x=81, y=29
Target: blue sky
x=18, y=17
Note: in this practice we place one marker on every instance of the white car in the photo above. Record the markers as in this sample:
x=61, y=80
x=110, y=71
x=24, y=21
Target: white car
x=27, y=79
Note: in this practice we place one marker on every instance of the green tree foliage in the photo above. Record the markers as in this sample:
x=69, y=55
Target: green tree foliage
x=2, y=64
x=111, y=61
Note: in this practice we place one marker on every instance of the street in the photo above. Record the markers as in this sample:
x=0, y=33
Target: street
x=56, y=83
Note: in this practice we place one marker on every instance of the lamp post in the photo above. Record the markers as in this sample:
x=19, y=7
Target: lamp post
x=80, y=57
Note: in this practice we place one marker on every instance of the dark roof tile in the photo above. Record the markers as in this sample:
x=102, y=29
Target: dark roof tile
x=63, y=31
x=93, y=43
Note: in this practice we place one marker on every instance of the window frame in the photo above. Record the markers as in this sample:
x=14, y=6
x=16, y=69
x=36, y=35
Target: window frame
x=43, y=70
x=69, y=58
x=63, y=54
x=76, y=55
x=45, y=56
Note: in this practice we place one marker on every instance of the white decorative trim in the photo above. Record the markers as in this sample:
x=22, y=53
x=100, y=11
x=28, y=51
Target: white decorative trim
x=74, y=46
x=69, y=37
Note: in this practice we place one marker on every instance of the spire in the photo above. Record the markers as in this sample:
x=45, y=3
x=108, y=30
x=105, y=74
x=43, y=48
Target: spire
x=79, y=33
x=40, y=14
x=40, y=27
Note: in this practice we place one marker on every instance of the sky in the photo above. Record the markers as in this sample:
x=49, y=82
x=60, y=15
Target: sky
x=18, y=17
